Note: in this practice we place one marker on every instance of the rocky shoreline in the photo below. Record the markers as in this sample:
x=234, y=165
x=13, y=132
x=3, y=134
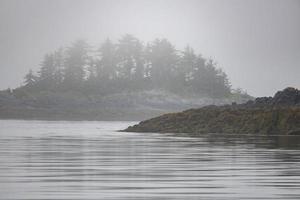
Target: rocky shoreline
x=266, y=115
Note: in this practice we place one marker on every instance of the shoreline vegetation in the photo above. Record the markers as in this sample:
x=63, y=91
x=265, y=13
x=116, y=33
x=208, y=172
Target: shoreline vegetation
x=278, y=115
x=123, y=80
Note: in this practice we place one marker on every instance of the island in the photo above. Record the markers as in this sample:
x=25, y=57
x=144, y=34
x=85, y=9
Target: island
x=118, y=80
x=278, y=115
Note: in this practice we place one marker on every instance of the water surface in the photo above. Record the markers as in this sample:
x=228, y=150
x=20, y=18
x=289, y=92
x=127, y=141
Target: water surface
x=91, y=160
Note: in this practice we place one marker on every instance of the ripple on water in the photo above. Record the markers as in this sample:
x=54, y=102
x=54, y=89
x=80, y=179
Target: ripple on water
x=90, y=160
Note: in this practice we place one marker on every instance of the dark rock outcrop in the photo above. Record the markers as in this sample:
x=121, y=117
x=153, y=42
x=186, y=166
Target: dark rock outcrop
x=267, y=115
x=287, y=97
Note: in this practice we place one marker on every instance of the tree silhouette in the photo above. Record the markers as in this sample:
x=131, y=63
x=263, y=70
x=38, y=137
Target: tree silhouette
x=75, y=62
x=30, y=78
x=47, y=71
x=106, y=66
x=129, y=54
x=58, y=76
x=162, y=58
x=129, y=65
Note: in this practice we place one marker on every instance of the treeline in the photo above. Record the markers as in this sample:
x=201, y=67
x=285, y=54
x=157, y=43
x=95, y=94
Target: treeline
x=129, y=65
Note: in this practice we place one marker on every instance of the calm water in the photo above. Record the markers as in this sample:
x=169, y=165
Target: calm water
x=90, y=160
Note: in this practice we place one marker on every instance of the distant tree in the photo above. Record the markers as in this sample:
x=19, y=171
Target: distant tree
x=75, y=63
x=129, y=65
x=216, y=81
x=188, y=63
x=92, y=69
x=129, y=53
x=163, y=58
x=46, y=73
x=59, y=66
x=30, y=78
x=106, y=65
x=199, y=83
x=223, y=84
x=185, y=70
x=51, y=72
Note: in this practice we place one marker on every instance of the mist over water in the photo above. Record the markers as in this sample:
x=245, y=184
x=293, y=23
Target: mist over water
x=248, y=39
x=190, y=67
x=91, y=160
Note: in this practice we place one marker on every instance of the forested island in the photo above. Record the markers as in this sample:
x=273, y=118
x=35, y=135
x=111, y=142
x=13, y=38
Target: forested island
x=123, y=80
x=266, y=115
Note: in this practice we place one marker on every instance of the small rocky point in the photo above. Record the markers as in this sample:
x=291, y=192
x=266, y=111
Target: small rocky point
x=288, y=97
x=264, y=115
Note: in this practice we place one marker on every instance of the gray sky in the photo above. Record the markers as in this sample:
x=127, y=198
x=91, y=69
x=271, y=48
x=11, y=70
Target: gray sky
x=256, y=42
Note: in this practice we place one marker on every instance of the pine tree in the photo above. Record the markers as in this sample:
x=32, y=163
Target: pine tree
x=30, y=78
x=129, y=65
x=199, y=83
x=106, y=65
x=46, y=73
x=163, y=59
x=188, y=64
x=75, y=63
x=129, y=52
x=59, y=66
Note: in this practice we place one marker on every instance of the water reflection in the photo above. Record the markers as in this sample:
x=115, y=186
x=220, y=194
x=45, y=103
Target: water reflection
x=90, y=160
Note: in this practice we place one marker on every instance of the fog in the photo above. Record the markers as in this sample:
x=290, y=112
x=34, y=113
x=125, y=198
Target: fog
x=255, y=42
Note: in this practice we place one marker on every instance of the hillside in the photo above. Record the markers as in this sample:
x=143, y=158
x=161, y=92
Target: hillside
x=268, y=115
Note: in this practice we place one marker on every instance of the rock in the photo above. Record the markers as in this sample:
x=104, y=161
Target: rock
x=289, y=96
x=265, y=115
x=262, y=101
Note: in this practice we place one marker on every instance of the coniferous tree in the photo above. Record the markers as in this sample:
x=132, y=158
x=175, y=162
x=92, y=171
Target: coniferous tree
x=47, y=71
x=106, y=65
x=75, y=63
x=129, y=53
x=30, y=78
x=198, y=83
x=92, y=69
x=188, y=64
x=162, y=58
x=130, y=65
x=59, y=66
x=215, y=80
x=185, y=71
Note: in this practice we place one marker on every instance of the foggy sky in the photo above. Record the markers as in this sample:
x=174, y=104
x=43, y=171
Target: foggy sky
x=256, y=42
